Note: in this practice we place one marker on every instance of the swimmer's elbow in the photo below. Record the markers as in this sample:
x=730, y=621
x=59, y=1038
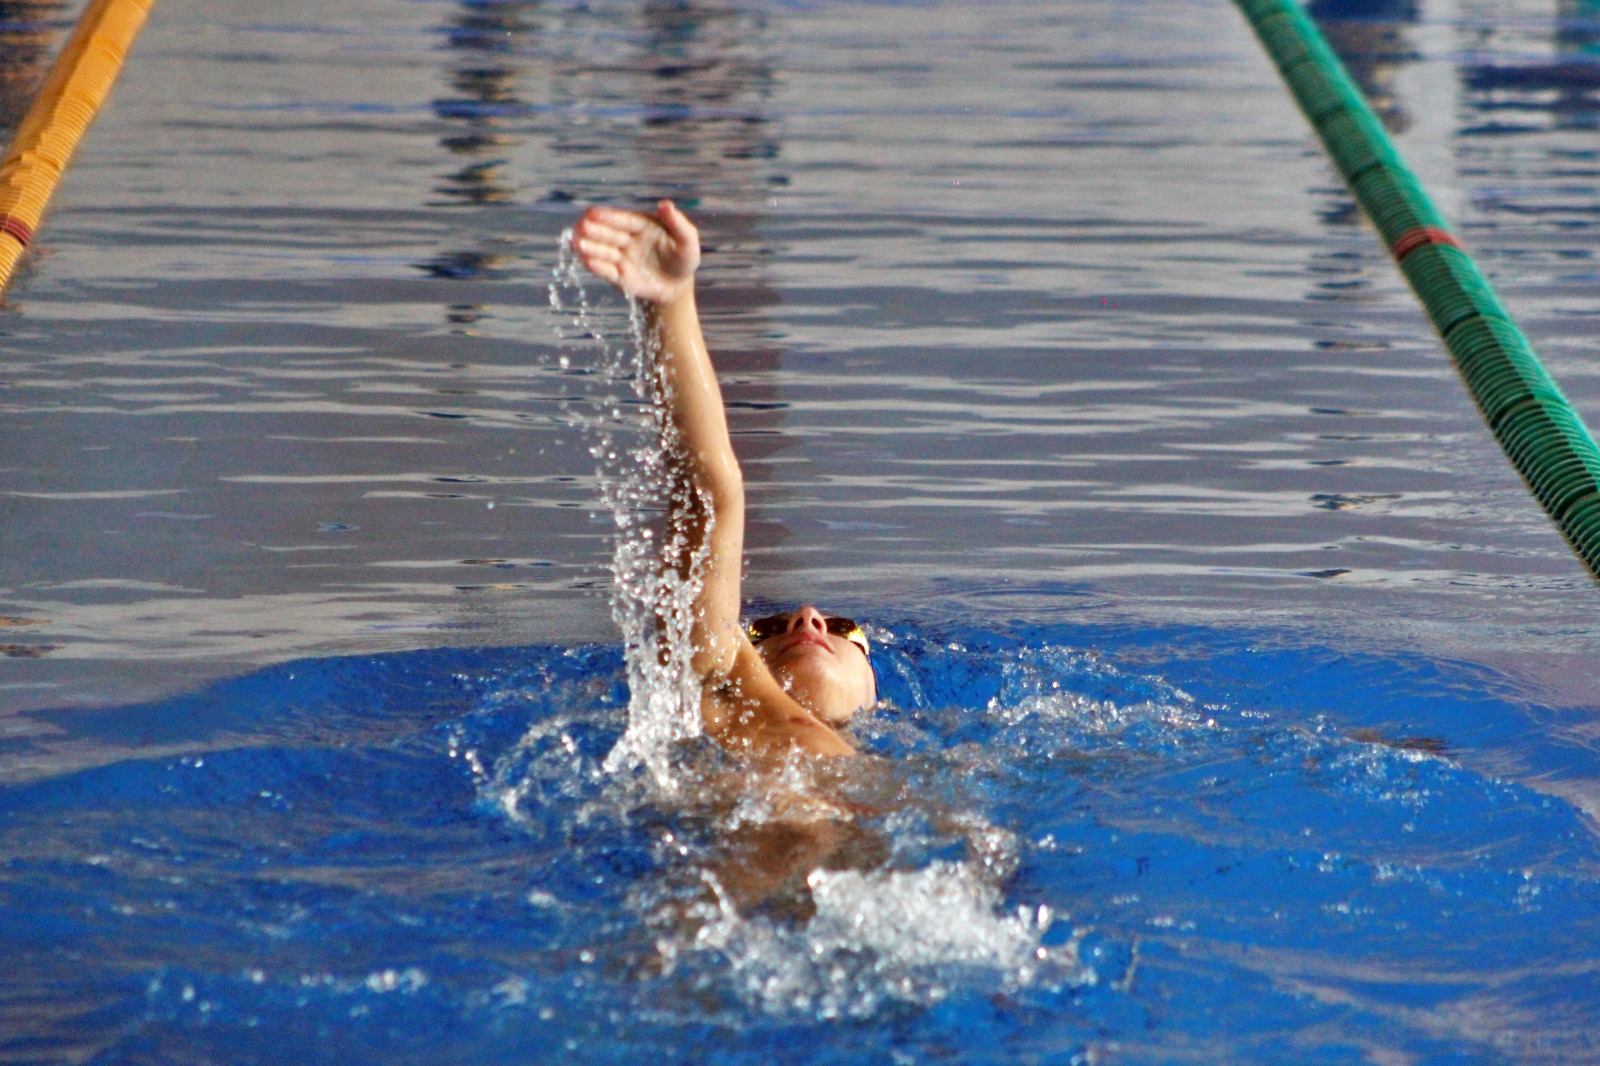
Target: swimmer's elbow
x=721, y=479
x=713, y=661
x=715, y=652
x=827, y=742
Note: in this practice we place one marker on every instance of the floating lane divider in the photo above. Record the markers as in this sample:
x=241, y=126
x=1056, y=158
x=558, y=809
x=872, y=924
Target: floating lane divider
x=1536, y=425
x=72, y=94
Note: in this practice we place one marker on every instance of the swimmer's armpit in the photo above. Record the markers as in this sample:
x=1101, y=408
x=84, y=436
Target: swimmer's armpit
x=754, y=715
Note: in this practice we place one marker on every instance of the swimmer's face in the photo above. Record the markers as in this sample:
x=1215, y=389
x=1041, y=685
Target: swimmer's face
x=825, y=672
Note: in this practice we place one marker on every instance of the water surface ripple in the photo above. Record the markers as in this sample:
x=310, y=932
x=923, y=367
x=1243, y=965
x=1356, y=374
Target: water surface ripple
x=1027, y=292
x=1031, y=314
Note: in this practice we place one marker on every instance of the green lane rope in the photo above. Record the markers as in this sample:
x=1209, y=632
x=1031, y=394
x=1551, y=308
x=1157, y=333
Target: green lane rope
x=44, y=143
x=1536, y=425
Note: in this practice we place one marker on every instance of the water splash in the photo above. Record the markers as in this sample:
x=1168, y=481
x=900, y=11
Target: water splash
x=878, y=936
x=897, y=924
x=657, y=566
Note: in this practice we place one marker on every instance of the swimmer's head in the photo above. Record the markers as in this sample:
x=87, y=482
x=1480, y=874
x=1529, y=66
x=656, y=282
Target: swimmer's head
x=819, y=660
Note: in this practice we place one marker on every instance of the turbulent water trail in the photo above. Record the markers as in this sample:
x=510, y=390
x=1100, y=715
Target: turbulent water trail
x=656, y=567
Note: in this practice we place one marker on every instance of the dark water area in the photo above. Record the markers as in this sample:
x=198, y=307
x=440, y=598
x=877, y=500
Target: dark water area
x=1053, y=348
x=29, y=31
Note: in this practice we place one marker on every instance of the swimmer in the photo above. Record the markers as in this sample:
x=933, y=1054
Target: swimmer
x=781, y=683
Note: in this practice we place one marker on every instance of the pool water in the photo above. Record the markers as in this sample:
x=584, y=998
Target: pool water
x=1239, y=700
x=1062, y=853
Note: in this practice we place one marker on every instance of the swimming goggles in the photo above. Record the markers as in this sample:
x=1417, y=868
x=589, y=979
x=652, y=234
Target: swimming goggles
x=777, y=624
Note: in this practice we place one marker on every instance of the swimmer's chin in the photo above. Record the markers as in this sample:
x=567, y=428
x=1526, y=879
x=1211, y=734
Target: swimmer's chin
x=839, y=719
x=835, y=713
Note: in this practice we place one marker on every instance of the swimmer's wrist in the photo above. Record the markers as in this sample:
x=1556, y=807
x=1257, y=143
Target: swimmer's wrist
x=679, y=297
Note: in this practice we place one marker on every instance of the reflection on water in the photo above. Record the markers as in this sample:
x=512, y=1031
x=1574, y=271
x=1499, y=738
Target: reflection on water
x=1019, y=310
x=482, y=41
x=703, y=80
x=1565, y=83
x=1370, y=37
x=29, y=31
x=1526, y=156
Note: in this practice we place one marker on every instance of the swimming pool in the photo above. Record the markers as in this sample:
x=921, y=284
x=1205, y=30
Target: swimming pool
x=1217, y=626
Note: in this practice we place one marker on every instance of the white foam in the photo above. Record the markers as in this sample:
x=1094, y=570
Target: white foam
x=913, y=936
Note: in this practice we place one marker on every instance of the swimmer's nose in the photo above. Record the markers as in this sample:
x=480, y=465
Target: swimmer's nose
x=808, y=617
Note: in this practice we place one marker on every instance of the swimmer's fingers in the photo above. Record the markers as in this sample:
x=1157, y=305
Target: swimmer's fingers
x=613, y=253
x=616, y=218
x=650, y=258
x=601, y=258
x=602, y=268
x=636, y=271
x=598, y=248
x=599, y=233
x=678, y=226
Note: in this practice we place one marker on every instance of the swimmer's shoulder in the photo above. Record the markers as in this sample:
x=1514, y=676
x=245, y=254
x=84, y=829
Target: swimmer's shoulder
x=747, y=709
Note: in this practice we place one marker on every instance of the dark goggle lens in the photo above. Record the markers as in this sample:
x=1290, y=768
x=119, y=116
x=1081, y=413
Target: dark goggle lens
x=772, y=625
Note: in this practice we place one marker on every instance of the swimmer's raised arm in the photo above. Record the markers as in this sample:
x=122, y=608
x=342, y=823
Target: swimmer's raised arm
x=653, y=258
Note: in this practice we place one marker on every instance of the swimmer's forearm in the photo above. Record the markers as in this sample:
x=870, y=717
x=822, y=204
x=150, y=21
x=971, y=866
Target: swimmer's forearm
x=780, y=737
x=697, y=413
x=696, y=398
x=751, y=712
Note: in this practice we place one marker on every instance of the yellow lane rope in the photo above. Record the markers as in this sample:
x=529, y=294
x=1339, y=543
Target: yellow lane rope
x=72, y=95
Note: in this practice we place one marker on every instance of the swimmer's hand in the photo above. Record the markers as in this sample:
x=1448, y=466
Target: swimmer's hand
x=649, y=257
